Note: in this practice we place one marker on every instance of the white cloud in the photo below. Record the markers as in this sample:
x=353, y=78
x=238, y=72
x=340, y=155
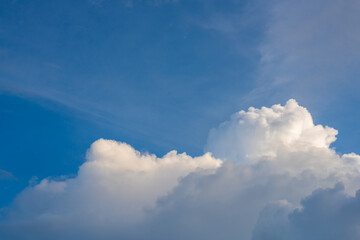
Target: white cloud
x=281, y=156
x=282, y=137
x=113, y=188
x=263, y=133
x=270, y=156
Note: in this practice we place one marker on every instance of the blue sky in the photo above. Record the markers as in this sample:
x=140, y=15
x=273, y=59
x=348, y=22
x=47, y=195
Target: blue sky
x=159, y=74
x=155, y=74
x=138, y=66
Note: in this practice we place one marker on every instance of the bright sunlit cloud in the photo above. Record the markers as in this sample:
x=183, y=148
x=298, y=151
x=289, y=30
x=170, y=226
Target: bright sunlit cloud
x=178, y=119
x=271, y=158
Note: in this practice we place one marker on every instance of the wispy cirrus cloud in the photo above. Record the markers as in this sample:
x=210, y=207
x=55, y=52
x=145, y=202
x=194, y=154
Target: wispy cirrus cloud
x=5, y=175
x=310, y=50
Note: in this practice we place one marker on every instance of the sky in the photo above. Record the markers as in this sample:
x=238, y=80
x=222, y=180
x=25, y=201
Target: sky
x=179, y=119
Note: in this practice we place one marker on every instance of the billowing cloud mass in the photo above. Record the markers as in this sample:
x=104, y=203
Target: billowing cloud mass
x=112, y=190
x=260, y=181
x=265, y=133
x=325, y=214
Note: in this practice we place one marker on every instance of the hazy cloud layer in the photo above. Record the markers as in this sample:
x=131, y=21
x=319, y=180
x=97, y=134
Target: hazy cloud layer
x=310, y=50
x=272, y=158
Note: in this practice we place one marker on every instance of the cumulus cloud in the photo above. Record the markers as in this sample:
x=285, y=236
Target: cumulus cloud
x=271, y=158
x=263, y=133
x=325, y=214
x=284, y=138
x=112, y=189
x=272, y=155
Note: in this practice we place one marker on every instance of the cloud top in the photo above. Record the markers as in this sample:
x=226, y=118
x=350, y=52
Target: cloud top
x=260, y=133
x=263, y=162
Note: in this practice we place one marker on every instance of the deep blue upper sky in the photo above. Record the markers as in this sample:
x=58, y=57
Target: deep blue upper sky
x=157, y=74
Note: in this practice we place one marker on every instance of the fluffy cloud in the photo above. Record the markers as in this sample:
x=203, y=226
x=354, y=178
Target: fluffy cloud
x=112, y=189
x=285, y=139
x=272, y=155
x=263, y=133
x=271, y=159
